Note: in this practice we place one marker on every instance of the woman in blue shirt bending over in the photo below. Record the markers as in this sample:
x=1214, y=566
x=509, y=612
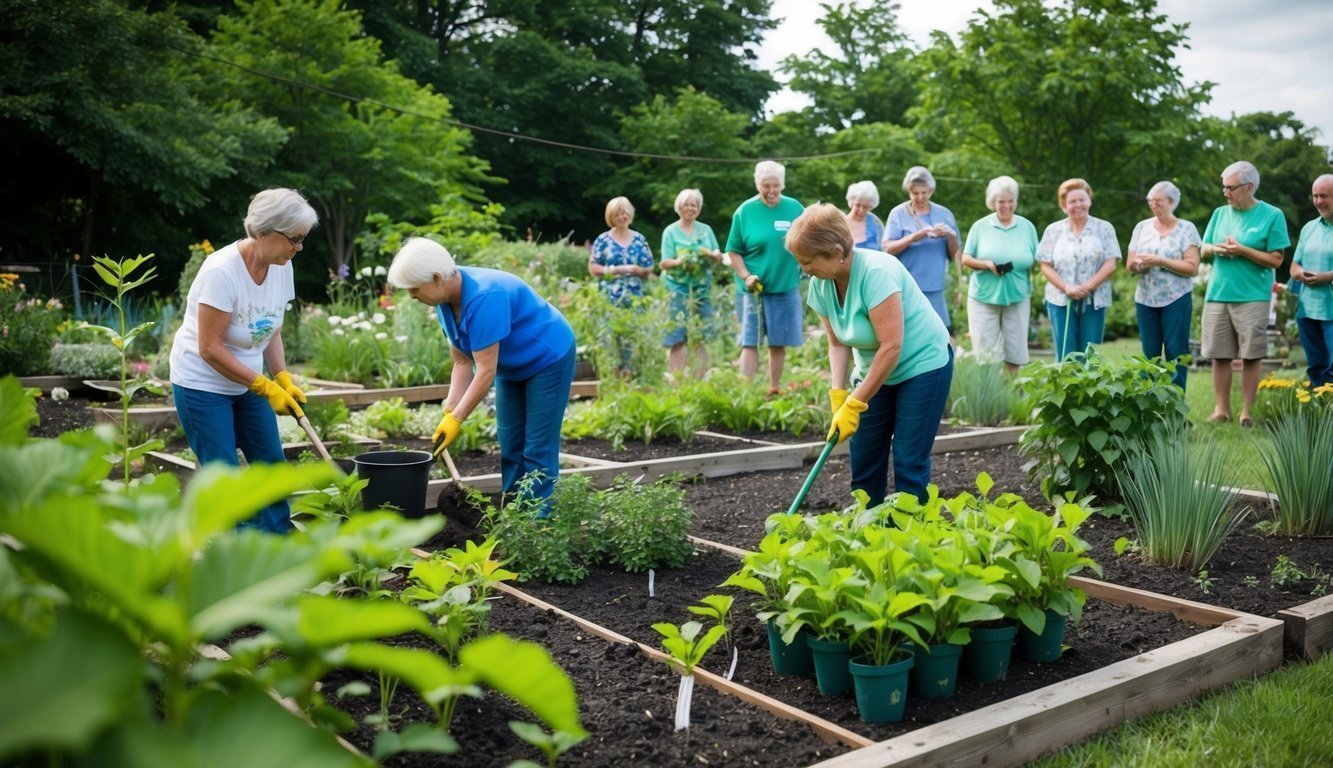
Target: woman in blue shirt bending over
x=886, y=345
x=502, y=332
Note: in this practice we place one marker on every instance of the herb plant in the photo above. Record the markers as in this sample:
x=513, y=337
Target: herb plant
x=1296, y=461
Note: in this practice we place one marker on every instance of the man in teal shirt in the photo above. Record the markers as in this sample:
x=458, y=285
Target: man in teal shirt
x=1245, y=239
x=766, y=273
x=1312, y=268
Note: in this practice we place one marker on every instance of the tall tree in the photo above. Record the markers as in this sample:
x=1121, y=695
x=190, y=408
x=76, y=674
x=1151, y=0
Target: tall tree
x=868, y=75
x=1084, y=88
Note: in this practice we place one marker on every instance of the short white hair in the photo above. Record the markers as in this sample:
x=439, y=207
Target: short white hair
x=279, y=210
x=769, y=169
x=863, y=192
x=1001, y=185
x=1245, y=170
x=688, y=195
x=1168, y=190
x=918, y=174
x=418, y=261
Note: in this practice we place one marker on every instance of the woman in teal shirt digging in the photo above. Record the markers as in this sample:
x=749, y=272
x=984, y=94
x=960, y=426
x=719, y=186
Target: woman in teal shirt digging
x=886, y=344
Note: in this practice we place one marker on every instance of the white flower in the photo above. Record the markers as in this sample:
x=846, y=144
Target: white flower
x=338, y=332
x=360, y=315
x=289, y=307
x=335, y=320
x=365, y=272
x=378, y=317
x=59, y=394
x=400, y=339
x=363, y=326
x=381, y=336
x=381, y=271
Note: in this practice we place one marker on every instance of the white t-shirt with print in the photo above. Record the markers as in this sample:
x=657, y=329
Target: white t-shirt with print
x=256, y=315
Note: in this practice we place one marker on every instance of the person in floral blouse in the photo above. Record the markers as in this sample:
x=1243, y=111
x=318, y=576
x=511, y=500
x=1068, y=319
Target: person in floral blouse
x=1077, y=256
x=622, y=259
x=689, y=253
x=1164, y=250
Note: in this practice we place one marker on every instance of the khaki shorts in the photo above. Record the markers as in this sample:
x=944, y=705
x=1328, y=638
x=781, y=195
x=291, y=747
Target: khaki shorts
x=999, y=332
x=1236, y=330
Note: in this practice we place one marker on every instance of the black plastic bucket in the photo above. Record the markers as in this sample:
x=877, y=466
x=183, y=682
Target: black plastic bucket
x=395, y=477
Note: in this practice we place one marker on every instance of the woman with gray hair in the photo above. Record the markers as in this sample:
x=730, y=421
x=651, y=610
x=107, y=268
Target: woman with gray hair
x=500, y=331
x=1164, y=251
x=1001, y=249
x=766, y=273
x=231, y=332
x=689, y=251
x=924, y=237
x=867, y=230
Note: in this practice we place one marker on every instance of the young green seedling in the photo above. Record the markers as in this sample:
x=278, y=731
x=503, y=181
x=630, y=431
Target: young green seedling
x=718, y=608
x=686, y=648
x=553, y=745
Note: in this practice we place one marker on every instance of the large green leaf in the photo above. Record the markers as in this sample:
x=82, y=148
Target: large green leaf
x=423, y=670
x=241, y=577
x=17, y=411
x=61, y=690
x=219, y=497
x=526, y=673
x=327, y=621
x=42, y=467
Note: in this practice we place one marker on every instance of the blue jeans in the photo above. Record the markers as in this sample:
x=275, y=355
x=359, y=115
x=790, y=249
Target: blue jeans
x=528, y=415
x=216, y=425
x=1165, y=332
x=1085, y=326
x=901, y=420
x=1317, y=339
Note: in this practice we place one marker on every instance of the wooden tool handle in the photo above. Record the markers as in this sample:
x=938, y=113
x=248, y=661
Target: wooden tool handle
x=314, y=438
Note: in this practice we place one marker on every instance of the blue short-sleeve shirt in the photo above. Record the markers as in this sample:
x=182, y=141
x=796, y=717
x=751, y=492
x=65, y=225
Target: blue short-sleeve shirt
x=499, y=308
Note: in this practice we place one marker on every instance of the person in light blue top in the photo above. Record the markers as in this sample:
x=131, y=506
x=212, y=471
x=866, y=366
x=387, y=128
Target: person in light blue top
x=924, y=236
x=1000, y=250
x=1312, y=267
x=1165, y=251
x=1077, y=254
x=889, y=354
x=867, y=230
x=500, y=332
x=689, y=254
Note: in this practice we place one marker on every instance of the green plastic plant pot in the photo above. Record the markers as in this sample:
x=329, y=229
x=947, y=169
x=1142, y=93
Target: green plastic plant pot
x=1046, y=646
x=935, y=673
x=831, y=660
x=791, y=659
x=986, y=658
x=881, y=691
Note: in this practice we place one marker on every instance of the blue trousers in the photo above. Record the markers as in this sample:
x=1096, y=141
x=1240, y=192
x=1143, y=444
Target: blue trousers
x=1317, y=339
x=901, y=420
x=528, y=415
x=216, y=425
x=1165, y=332
x=1085, y=326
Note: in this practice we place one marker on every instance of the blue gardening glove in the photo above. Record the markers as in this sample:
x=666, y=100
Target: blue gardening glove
x=446, y=433
x=847, y=419
x=284, y=380
x=282, y=403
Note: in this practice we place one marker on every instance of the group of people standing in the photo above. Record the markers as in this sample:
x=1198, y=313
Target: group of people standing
x=879, y=290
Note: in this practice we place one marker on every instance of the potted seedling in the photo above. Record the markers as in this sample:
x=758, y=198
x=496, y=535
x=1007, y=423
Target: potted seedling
x=769, y=572
x=685, y=648
x=880, y=632
x=820, y=594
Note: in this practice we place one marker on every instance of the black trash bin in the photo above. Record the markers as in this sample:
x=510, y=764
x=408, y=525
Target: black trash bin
x=395, y=477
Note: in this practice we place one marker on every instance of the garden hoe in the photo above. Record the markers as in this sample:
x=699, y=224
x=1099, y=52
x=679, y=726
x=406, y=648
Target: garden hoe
x=814, y=472
x=314, y=438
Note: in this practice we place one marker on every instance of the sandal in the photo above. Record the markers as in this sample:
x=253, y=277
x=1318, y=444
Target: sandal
x=1247, y=422
x=1219, y=418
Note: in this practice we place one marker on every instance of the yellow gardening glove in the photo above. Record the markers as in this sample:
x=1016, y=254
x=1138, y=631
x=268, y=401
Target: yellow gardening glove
x=836, y=398
x=446, y=433
x=284, y=380
x=847, y=419
x=282, y=403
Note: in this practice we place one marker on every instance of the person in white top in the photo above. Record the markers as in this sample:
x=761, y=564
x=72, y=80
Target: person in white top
x=232, y=330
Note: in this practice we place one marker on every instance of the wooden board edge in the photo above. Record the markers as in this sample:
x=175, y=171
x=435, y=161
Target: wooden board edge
x=1308, y=628
x=1185, y=610
x=1017, y=730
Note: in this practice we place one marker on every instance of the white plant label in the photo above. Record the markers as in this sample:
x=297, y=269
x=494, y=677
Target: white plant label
x=651, y=577
x=683, y=699
x=735, y=657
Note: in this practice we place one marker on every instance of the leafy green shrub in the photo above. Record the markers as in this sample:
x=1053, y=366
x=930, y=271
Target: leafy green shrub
x=27, y=328
x=643, y=526
x=388, y=416
x=1087, y=412
x=328, y=419
x=553, y=549
x=1296, y=463
x=1176, y=492
x=85, y=361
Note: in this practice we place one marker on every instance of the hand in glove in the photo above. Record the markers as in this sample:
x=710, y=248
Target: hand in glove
x=284, y=380
x=279, y=400
x=836, y=397
x=446, y=433
x=847, y=419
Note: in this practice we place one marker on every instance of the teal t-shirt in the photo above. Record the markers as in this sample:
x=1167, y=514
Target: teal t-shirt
x=676, y=245
x=757, y=232
x=875, y=277
x=1237, y=279
x=1017, y=244
x=1314, y=251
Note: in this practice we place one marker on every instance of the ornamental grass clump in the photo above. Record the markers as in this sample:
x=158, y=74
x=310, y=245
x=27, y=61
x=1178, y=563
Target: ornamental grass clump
x=1176, y=492
x=984, y=394
x=1296, y=456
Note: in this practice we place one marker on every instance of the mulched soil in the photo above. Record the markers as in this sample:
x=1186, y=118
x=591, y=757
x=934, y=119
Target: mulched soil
x=627, y=701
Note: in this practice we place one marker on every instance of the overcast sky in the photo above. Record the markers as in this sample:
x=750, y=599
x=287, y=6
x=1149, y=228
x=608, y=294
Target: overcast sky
x=1263, y=56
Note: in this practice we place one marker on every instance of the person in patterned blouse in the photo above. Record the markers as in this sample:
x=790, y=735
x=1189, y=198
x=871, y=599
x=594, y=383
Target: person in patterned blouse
x=1077, y=255
x=1164, y=250
x=622, y=260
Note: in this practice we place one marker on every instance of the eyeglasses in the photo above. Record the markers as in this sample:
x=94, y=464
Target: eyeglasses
x=1234, y=187
x=295, y=241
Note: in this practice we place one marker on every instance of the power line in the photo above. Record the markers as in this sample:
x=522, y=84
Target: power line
x=507, y=134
